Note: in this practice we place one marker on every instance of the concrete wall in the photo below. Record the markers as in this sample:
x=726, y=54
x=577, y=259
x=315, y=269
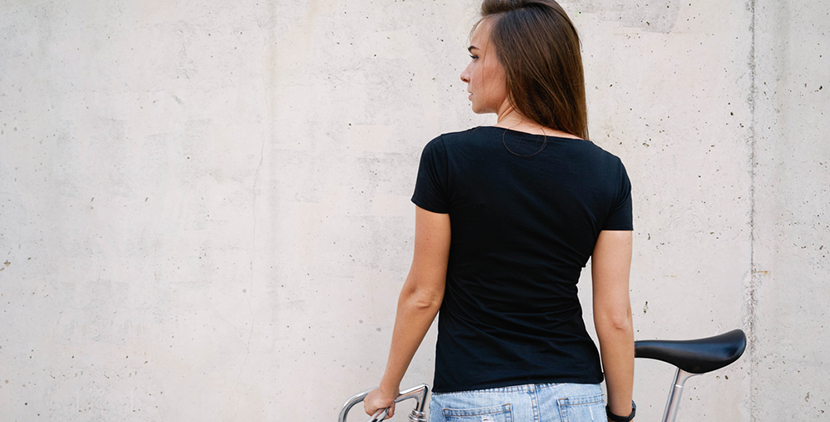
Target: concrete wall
x=791, y=230
x=204, y=206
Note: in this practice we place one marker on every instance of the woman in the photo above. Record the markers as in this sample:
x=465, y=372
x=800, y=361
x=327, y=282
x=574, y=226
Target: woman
x=506, y=218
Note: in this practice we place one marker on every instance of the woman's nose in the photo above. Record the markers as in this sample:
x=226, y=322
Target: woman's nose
x=465, y=76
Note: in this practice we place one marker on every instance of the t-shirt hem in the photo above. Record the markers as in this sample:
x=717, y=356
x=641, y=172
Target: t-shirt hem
x=494, y=385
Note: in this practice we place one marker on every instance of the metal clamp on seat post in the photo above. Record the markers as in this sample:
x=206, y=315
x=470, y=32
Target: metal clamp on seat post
x=673, y=402
x=419, y=393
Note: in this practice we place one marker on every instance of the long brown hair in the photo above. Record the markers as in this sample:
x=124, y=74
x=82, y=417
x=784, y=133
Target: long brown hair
x=538, y=47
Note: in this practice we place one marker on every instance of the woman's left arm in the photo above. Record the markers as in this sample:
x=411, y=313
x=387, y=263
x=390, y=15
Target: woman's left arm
x=418, y=303
x=611, y=267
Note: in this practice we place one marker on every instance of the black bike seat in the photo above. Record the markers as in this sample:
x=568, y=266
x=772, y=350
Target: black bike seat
x=695, y=356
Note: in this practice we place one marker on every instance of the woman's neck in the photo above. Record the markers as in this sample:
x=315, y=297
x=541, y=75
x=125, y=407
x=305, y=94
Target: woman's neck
x=509, y=118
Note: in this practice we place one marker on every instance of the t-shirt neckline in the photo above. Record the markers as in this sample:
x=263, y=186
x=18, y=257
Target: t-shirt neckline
x=521, y=133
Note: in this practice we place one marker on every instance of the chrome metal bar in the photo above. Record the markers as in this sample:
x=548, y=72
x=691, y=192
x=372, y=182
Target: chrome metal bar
x=680, y=377
x=419, y=393
x=355, y=399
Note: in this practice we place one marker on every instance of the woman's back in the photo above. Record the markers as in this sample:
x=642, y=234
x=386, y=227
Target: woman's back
x=526, y=211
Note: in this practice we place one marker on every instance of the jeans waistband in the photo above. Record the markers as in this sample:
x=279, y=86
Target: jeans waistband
x=510, y=389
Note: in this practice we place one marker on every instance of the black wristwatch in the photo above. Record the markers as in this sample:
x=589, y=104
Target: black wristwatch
x=616, y=418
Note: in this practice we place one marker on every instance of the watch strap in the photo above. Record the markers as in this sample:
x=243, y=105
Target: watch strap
x=616, y=418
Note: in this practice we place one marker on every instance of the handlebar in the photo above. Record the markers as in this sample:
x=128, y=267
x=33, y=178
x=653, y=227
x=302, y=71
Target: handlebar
x=419, y=393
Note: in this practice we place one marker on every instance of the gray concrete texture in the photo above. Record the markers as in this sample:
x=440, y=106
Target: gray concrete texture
x=204, y=206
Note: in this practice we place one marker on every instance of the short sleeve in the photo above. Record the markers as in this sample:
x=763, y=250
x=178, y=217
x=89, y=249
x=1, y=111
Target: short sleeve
x=431, y=185
x=620, y=217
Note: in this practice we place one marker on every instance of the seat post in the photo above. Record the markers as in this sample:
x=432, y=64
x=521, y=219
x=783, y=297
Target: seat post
x=680, y=377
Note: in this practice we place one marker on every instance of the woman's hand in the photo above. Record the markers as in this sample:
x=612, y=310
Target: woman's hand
x=379, y=399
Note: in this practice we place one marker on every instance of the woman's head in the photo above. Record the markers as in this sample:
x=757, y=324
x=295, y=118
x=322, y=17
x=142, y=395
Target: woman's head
x=537, y=49
x=485, y=76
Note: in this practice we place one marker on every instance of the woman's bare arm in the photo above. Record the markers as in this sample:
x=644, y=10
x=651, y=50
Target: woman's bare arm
x=610, y=268
x=418, y=303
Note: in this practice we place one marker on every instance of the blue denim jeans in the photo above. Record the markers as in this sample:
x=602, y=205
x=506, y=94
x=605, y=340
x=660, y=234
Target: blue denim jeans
x=521, y=403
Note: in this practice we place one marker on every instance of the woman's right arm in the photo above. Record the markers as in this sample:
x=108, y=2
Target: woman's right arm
x=610, y=268
x=418, y=303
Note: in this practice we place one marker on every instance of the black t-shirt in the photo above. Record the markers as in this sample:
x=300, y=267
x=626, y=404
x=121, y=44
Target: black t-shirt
x=525, y=212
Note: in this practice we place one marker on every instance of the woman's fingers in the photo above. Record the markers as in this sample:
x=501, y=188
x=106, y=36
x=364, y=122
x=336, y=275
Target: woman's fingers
x=376, y=400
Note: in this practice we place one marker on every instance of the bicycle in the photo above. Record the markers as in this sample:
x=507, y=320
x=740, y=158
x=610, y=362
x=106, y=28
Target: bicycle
x=690, y=358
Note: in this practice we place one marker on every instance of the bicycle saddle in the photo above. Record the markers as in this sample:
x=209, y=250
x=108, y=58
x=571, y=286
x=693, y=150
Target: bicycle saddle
x=695, y=356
